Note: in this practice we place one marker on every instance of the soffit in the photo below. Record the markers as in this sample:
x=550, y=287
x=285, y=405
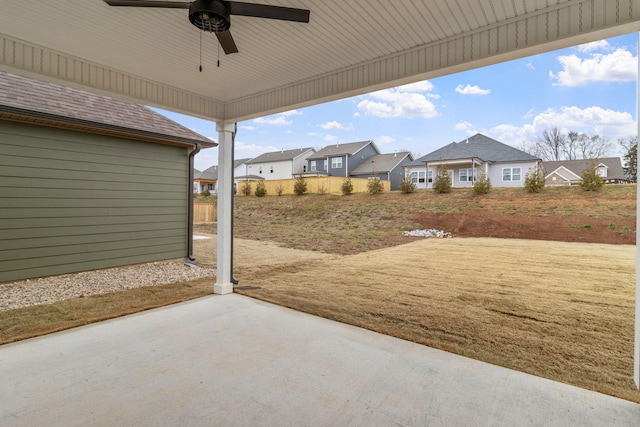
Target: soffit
x=350, y=47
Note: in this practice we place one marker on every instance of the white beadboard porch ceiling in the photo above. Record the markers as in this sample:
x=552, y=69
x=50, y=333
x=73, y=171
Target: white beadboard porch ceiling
x=350, y=47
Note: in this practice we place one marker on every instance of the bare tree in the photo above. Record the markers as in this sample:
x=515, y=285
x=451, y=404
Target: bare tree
x=594, y=147
x=552, y=144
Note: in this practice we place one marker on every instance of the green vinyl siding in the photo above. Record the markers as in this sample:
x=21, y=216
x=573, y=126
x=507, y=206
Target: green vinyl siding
x=71, y=201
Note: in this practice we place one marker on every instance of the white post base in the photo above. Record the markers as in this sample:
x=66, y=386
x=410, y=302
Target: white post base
x=223, y=289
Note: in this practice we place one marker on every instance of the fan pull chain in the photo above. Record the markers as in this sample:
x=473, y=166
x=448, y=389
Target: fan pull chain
x=200, y=51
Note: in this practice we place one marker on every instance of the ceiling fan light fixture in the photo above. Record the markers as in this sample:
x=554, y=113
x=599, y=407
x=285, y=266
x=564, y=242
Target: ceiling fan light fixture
x=210, y=15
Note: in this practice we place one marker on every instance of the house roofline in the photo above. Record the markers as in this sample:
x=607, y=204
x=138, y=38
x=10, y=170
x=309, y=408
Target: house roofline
x=31, y=117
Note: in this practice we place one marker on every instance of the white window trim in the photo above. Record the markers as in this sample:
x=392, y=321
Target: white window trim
x=334, y=162
x=511, y=174
x=313, y=165
x=469, y=173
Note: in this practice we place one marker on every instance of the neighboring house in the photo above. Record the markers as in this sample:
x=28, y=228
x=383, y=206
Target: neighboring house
x=207, y=180
x=340, y=159
x=384, y=166
x=282, y=164
x=196, y=185
x=89, y=182
x=568, y=172
x=466, y=160
x=240, y=168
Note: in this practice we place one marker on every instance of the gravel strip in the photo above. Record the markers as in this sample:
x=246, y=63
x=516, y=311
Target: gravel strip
x=46, y=290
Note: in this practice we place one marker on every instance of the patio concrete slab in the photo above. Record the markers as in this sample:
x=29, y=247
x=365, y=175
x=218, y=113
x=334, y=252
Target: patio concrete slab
x=234, y=361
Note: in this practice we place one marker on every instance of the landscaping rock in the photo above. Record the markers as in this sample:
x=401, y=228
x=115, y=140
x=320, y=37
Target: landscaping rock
x=432, y=232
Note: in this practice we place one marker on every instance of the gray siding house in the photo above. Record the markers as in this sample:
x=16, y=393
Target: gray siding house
x=569, y=172
x=384, y=166
x=466, y=160
x=340, y=159
x=89, y=182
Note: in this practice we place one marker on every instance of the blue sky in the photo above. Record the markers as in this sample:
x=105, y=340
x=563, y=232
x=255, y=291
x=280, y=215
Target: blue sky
x=590, y=88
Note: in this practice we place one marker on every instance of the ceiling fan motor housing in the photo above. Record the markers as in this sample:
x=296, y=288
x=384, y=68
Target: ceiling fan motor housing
x=210, y=15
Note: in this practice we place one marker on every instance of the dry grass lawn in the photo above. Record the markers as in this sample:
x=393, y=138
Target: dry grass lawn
x=558, y=310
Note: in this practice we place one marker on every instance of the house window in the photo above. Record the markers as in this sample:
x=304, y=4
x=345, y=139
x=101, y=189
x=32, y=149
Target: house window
x=511, y=174
x=602, y=172
x=414, y=177
x=467, y=175
x=313, y=165
x=260, y=169
x=336, y=162
x=324, y=165
x=430, y=177
x=421, y=175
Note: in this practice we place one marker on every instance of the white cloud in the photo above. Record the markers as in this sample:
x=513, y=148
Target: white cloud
x=330, y=138
x=465, y=126
x=591, y=120
x=618, y=66
x=275, y=121
x=291, y=113
x=423, y=86
x=530, y=66
x=472, y=90
x=590, y=47
x=406, y=101
x=385, y=139
x=336, y=125
x=251, y=150
x=278, y=119
x=247, y=127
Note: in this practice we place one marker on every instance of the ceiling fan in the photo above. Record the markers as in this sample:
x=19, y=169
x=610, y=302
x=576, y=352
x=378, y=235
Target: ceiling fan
x=215, y=15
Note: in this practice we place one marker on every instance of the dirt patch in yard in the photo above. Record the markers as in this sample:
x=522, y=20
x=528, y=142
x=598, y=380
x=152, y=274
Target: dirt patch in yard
x=575, y=228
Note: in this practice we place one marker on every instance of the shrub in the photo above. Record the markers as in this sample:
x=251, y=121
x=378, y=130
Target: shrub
x=482, y=184
x=534, y=180
x=441, y=183
x=406, y=185
x=261, y=189
x=206, y=193
x=375, y=186
x=591, y=181
x=347, y=186
x=300, y=186
x=279, y=189
x=245, y=188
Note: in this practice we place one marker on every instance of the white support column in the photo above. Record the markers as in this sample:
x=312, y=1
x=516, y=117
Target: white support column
x=636, y=348
x=225, y=209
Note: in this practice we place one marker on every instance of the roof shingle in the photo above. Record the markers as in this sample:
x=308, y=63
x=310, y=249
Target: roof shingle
x=38, y=98
x=350, y=149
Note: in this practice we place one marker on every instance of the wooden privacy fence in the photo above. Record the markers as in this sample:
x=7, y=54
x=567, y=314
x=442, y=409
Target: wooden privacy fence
x=204, y=212
x=315, y=185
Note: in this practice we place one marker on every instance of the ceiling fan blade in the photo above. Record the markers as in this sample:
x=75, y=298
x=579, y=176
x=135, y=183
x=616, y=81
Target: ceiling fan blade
x=227, y=43
x=139, y=3
x=267, y=11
